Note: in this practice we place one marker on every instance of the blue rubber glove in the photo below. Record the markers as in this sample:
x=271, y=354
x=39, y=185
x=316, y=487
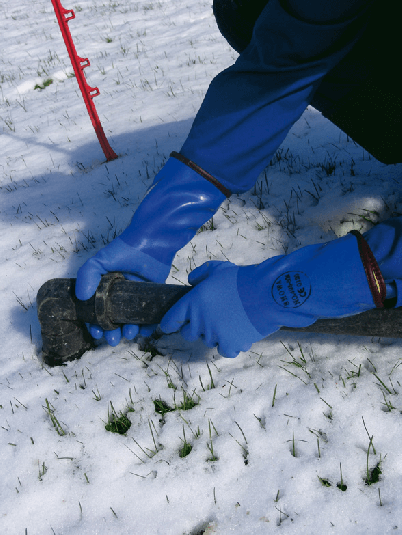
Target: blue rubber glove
x=213, y=311
x=232, y=307
x=178, y=203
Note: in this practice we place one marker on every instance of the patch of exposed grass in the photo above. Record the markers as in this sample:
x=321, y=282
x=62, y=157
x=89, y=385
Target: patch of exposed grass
x=161, y=407
x=117, y=423
x=45, y=84
x=324, y=482
x=373, y=475
x=187, y=403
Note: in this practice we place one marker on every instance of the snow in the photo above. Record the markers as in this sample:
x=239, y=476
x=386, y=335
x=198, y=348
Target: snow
x=295, y=408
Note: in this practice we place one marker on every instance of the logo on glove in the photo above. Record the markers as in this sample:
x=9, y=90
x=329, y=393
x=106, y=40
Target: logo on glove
x=291, y=289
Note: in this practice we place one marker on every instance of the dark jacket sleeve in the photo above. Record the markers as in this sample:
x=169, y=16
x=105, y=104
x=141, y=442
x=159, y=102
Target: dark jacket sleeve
x=250, y=107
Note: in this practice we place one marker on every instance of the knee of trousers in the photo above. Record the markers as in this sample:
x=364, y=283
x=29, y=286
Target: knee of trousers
x=236, y=20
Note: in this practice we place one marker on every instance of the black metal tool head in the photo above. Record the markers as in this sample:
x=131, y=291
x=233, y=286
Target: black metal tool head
x=64, y=336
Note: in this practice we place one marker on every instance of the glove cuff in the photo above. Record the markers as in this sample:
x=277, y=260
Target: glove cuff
x=201, y=172
x=373, y=273
x=179, y=203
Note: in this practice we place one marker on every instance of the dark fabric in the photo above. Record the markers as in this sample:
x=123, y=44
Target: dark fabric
x=236, y=20
x=324, y=12
x=360, y=94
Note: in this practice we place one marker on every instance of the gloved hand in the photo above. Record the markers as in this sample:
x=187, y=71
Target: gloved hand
x=232, y=307
x=178, y=203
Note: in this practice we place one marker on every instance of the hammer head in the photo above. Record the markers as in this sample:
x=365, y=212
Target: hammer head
x=64, y=336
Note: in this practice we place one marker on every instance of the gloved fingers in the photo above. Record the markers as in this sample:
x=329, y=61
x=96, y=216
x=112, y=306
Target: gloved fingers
x=89, y=276
x=202, y=272
x=116, y=256
x=176, y=317
x=193, y=330
x=130, y=331
x=208, y=341
x=88, y=279
x=246, y=348
x=224, y=347
x=228, y=353
x=189, y=333
x=208, y=335
x=95, y=331
x=147, y=330
x=227, y=350
x=113, y=337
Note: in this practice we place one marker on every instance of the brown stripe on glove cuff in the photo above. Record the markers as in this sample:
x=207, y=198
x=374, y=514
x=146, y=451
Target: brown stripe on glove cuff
x=373, y=273
x=201, y=172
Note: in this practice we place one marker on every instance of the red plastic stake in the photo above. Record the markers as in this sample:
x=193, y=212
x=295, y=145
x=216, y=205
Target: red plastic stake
x=79, y=64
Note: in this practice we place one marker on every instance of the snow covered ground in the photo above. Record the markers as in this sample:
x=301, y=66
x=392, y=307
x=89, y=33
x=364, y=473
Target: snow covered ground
x=280, y=439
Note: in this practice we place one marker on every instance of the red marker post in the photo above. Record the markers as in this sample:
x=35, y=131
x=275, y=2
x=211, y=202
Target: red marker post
x=79, y=64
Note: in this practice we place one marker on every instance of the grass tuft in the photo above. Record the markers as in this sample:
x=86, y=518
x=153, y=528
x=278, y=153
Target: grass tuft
x=185, y=450
x=210, y=445
x=117, y=423
x=188, y=402
x=45, y=84
x=324, y=482
x=373, y=475
x=50, y=411
x=341, y=485
x=161, y=407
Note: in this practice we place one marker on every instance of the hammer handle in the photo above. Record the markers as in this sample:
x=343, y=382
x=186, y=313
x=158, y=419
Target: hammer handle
x=144, y=303
x=118, y=301
x=129, y=302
